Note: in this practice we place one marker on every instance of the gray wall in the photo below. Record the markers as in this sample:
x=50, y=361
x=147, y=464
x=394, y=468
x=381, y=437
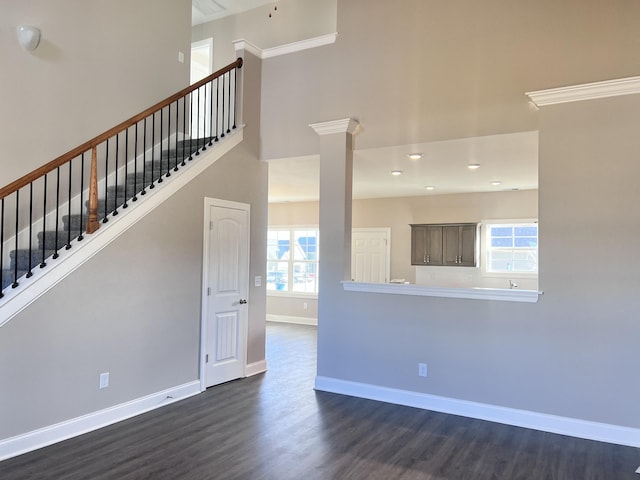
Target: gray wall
x=430, y=70
x=425, y=70
x=98, y=64
x=571, y=354
x=295, y=20
x=134, y=309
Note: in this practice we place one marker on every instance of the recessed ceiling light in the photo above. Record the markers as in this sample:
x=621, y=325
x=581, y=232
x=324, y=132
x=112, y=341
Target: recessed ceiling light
x=396, y=172
x=430, y=187
x=473, y=166
x=415, y=156
x=495, y=183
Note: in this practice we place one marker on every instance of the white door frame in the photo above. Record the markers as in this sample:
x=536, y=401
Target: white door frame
x=206, y=115
x=207, y=42
x=208, y=203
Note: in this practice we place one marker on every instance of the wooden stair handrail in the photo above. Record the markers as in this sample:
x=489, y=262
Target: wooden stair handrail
x=94, y=142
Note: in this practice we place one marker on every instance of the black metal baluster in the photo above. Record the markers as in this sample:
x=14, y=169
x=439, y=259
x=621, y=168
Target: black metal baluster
x=29, y=272
x=126, y=169
x=198, y=126
x=15, y=263
x=204, y=127
x=144, y=158
x=175, y=168
x=80, y=236
x=153, y=151
x=2, y=248
x=55, y=245
x=184, y=128
x=115, y=203
x=211, y=113
x=191, y=125
x=68, y=245
x=44, y=223
x=135, y=166
x=229, y=104
x=217, y=106
x=161, y=142
x=235, y=97
x=222, y=119
x=169, y=142
x=106, y=184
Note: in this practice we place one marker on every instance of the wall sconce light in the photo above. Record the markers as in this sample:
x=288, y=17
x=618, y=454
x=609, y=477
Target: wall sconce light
x=28, y=37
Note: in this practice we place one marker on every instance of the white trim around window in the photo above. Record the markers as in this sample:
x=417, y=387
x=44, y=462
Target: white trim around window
x=292, y=261
x=486, y=227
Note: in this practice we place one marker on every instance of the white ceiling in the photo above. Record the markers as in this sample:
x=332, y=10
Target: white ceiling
x=203, y=11
x=510, y=158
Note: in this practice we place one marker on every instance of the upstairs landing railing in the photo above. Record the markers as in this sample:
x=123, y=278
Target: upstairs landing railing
x=43, y=212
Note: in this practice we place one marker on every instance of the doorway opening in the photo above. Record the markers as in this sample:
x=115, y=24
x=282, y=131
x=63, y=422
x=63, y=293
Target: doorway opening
x=201, y=67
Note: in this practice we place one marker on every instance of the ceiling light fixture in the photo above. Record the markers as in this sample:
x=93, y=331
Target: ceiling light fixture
x=495, y=183
x=430, y=187
x=396, y=172
x=415, y=156
x=473, y=166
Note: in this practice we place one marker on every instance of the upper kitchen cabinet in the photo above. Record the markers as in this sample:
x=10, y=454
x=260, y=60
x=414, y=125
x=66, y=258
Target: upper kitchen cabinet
x=445, y=244
x=426, y=245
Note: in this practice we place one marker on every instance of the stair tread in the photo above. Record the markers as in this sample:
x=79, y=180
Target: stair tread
x=137, y=180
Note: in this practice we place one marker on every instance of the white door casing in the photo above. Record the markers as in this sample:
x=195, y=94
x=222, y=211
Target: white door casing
x=225, y=312
x=370, y=255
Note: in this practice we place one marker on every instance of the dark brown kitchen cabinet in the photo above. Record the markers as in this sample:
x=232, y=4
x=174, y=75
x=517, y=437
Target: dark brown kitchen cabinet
x=459, y=245
x=426, y=245
x=444, y=244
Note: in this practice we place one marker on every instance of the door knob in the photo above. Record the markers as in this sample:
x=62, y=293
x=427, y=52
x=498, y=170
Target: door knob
x=242, y=301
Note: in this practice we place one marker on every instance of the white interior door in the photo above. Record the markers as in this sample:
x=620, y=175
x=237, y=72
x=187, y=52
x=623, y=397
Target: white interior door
x=226, y=277
x=370, y=255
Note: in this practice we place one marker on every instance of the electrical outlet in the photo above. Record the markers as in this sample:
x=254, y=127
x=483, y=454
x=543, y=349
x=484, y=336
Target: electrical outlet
x=258, y=281
x=422, y=369
x=304, y=305
x=104, y=380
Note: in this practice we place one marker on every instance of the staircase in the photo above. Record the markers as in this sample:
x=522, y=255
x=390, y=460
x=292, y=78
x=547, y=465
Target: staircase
x=114, y=201
x=52, y=209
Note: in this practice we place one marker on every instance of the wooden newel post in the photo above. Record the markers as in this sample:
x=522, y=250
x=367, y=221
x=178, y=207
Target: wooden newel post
x=92, y=218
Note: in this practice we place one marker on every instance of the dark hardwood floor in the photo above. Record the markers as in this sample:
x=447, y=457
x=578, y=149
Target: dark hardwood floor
x=276, y=427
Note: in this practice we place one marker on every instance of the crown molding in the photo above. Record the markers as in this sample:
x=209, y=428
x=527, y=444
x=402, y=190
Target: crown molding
x=287, y=48
x=585, y=91
x=344, y=125
x=246, y=45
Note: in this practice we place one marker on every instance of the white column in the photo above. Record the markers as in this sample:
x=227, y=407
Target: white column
x=336, y=173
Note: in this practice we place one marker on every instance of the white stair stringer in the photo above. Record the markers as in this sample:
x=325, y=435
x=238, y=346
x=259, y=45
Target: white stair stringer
x=17, y=299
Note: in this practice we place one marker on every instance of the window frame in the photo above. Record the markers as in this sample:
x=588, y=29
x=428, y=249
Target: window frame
x=292, y=229
x=485, y=247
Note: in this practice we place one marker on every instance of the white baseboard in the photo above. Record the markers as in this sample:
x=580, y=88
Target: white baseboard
x=43, y=437
x=256, y=368
x=292, y=319
x=602, y=432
